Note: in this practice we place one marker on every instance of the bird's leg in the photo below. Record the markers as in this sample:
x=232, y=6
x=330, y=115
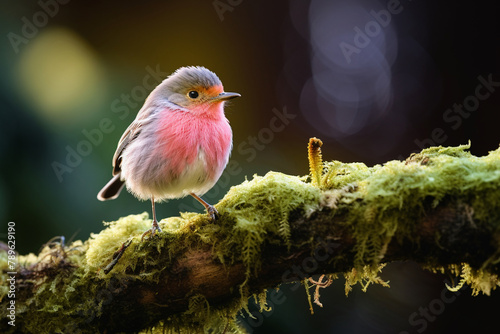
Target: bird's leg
x=155, y=227
x=211, y=210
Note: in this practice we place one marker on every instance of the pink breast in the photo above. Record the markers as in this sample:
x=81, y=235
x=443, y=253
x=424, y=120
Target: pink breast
x=183, y=133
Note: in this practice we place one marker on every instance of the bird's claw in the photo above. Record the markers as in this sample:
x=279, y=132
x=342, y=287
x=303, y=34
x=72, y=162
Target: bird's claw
x=152, y=231
x=212, y=212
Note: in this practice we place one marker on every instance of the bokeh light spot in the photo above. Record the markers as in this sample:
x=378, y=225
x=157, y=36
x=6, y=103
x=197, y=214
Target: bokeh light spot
x=60, y=76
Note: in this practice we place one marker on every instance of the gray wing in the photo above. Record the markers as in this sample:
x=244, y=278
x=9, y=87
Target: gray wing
x=133, y=130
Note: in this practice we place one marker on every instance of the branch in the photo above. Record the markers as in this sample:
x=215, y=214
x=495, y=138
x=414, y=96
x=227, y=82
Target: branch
x=440, y=208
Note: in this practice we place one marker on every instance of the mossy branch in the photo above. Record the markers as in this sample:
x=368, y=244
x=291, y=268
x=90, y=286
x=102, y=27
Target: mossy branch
x=440, y=208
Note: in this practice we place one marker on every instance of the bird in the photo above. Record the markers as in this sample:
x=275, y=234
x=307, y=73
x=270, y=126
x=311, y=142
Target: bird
x=178, y=145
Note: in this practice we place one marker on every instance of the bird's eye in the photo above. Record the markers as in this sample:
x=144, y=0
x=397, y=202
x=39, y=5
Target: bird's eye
x=193, y=94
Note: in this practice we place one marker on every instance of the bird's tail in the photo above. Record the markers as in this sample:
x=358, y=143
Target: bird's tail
x=112, y=189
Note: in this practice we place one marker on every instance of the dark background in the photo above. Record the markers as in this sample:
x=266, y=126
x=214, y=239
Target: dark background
x=65, y=69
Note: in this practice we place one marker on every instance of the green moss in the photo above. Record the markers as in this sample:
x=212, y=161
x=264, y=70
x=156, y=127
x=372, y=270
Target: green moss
x=202, y=318
x=4, y=288
x=101, y=246
x=251, y=214
x=378, y=203
x=260, y=210
x=365, y=277
x=393, y=195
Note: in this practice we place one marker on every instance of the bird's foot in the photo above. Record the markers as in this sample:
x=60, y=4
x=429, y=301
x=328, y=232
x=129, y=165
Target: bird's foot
x=152, y=231
x=212, y=212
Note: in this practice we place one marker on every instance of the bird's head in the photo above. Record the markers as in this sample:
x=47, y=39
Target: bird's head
x=196, y=89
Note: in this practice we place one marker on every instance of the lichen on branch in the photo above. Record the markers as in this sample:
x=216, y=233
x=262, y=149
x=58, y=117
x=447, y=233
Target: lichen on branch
x=440, y=208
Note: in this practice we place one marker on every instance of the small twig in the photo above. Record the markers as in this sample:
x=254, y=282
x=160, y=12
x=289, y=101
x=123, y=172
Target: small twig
x=57, y=252
x=116, y=256
x=320, y=284
x=225, y=327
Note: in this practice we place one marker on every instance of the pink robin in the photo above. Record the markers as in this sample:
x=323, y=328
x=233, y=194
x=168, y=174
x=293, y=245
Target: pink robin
x=179, y=143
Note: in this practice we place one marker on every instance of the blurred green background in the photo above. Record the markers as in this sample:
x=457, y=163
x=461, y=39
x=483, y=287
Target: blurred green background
x=375, y=80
